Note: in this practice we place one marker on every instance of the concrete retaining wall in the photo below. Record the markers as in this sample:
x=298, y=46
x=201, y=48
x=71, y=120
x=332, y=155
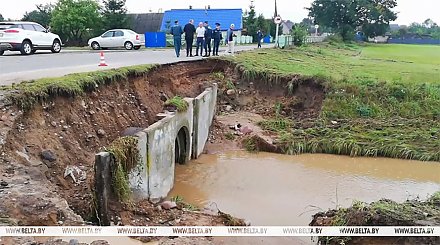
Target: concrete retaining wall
x=161, y=138
x=204, y=111
x=154, y=177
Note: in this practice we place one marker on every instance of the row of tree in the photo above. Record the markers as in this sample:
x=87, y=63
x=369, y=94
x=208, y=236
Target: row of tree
x=426, y=29
x=344, y=17
x=77, y=20
x=253, y=23
x=372, y=17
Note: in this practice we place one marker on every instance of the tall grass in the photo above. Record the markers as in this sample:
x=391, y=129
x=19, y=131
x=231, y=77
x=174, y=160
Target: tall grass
x=382, y=106
x=127, y=157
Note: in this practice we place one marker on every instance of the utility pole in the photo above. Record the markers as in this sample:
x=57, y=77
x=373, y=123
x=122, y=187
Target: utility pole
x=277, y=20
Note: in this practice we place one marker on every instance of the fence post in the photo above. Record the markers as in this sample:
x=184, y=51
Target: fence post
x=103, y=177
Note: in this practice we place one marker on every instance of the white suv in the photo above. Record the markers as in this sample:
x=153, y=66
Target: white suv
x=27, y=37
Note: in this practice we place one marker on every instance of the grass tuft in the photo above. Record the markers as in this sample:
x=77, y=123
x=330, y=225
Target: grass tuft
x=26, y=94
x=181, y=203
x=250, y=144
x=230, y=136
x=178, y=102
x=127, y=157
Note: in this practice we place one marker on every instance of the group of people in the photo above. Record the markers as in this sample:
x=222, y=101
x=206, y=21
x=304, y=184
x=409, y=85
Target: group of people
x=204, y=35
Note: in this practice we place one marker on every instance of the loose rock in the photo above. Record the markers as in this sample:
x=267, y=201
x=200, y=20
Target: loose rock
x=168, y=205
x=48, y=155
x=230, y=92
x=101, y=133
x=246, y=130
x=3, y=183
x=73, y=242
x=100, y=242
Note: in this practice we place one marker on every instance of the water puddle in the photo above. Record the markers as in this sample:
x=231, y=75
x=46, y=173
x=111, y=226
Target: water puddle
x=272, y=189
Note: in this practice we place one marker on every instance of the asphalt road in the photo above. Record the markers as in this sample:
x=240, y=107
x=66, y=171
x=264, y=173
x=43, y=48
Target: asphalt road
x=15, y=68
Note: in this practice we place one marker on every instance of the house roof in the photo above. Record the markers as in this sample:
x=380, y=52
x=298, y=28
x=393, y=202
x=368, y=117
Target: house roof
x=225, y=17
x=289, y=24
x=148, y=22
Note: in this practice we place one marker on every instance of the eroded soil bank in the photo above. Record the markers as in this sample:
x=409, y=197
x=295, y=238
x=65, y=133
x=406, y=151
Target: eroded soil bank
x=41, y=145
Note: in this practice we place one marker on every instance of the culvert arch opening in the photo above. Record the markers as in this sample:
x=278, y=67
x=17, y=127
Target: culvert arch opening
x=181, y=148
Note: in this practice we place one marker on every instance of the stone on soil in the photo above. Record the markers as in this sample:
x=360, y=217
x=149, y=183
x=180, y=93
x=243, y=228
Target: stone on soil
x=168, y=205
x=48, y=155
x=230, y=92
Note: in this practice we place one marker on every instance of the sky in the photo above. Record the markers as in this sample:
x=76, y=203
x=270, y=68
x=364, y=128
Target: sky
x=294, y=10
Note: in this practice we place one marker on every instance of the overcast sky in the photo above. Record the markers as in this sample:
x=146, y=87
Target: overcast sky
x=409, y=10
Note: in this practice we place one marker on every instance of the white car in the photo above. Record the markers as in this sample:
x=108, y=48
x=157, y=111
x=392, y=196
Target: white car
x=118, y=38
x=27, y=37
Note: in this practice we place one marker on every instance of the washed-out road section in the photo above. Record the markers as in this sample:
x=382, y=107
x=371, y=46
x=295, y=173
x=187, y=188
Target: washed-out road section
x=16, y=68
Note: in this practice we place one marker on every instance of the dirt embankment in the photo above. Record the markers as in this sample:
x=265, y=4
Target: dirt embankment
x=249, y=101
x=383, y=213
x=42, y=145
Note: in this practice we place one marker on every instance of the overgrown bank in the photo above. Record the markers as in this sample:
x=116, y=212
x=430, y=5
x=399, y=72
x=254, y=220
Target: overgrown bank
x=370, y=106
x=380, y=213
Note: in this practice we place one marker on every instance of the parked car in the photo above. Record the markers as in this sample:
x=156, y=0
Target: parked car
x=27, y=37
x=118, y=38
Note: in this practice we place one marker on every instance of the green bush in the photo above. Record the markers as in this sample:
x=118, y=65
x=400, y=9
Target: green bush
x=299, y=33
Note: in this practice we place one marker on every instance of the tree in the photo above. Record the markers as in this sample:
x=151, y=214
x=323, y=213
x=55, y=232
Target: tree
x=345, y=16
x=262, y=24
x=73, y=19
x=114, y=14
x=299, y=33
x=250, y=21
x=1, y=17
x=428, y=23
x=41, y=15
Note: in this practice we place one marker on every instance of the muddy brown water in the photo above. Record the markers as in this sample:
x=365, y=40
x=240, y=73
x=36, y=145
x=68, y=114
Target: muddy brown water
x=273, y=189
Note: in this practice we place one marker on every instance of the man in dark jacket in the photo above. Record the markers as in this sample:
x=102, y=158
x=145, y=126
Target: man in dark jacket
x=177, y=32
x=189, y=30
x=208, y=37
x=217, y=36
x=259, y=37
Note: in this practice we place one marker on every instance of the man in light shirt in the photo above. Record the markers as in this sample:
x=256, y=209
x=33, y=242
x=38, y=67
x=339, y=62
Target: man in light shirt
x=230, y=39
x=200, y=32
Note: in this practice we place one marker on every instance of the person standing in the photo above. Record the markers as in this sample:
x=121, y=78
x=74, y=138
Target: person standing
x=177, y=32
x=189, y=30
x=208, y=38
x=260, y=37
x=200, y=32
x=230, y=39
x=217, y=36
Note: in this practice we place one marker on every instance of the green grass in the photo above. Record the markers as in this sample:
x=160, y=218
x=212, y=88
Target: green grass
x=230, y=136
x=404, y=63
x=181, y=203
x=26, y=94
x=415, y=139
x=127, y=158
x=385, y=98
x=383, y=212
x=178, y=102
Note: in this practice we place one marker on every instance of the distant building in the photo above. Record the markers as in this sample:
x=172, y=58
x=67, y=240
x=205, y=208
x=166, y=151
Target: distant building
x=225, y=17
x=394, y=27
x=287, y=26
x=147, y=22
